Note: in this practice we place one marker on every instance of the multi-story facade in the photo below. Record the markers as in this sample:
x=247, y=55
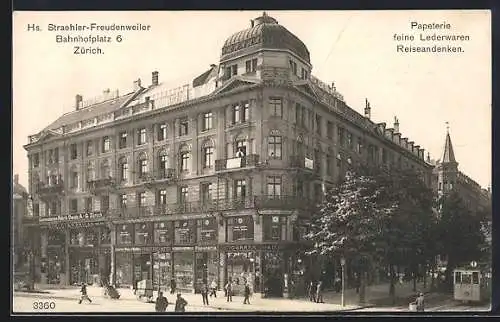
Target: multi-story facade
x=19, y=213
x=209, y=181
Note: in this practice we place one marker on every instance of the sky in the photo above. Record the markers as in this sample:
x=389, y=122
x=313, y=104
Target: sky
x=355, y=49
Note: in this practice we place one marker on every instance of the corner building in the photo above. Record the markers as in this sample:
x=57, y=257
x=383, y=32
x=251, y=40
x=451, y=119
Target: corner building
x=208, y=181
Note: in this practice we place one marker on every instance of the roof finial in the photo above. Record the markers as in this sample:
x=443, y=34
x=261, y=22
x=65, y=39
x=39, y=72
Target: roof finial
x=447, y=127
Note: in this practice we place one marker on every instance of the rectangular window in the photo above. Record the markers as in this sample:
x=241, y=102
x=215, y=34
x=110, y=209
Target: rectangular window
x=329, y=130
x=123, y=140
x=360, y=145
x=185, y=161
x=246, y=112
x=183, y=126
x=275, y=228
x=274, y=187
x=162, y=132
x=185, y=232
x=74, y=180
x=251, y=66
x=123, y=200
x=162, y=197
x=183, y=195
x=73, y=206
x=274, y=147
x=240, y=190
x=88, y=204
x=207, y=230
x=143, y=233
x=304, y=74
x=318, y=124
x=125, y=234
x=90, y=148
x=73, y=151
x=143, y=168
x=237, y=114
x=293, y=67
x=240, y=228
x=207, y=121
x=106, y=144
x=141, y=136
x=234, y=70
x=36, y=160
x=208, y=155
x=141, y=199
x=163, y=232
x=350, y=142
x=341, y=133
x=36, y=210
x=207, y=192
x=104, y=203
x=124, y=171
x=276, y=105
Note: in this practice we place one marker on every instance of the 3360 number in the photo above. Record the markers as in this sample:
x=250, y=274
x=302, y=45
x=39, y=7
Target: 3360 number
x=44, y=305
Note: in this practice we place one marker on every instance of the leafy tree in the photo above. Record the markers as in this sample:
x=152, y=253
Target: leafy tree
x=460, y=233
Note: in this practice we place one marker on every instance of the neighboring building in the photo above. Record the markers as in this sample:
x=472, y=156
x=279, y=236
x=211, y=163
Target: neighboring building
x=19, y=212
x=209, y=181
x=447, y=177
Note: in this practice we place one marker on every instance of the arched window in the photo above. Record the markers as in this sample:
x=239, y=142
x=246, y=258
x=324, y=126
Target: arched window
x=105, y=169
x=143, y=165
x=208, y=152
x=123, y=169
x=185, y=157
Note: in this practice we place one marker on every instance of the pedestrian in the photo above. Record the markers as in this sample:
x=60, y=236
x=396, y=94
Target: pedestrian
x=246, y=293
x=319, y=293
x=180, y=304
x=420, y=302
x=84, y=296
x=213, y=289
x=312, y=292
x=173, y=286
x=204, y=293
x=401, y=279
x=161, y=303
x=134, y=287
x=229, y=290
x=338, y=284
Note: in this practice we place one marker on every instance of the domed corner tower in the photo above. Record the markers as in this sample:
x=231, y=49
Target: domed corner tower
x=265, y=50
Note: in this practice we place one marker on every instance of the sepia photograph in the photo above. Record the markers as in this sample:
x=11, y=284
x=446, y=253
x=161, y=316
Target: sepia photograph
x=240, y=162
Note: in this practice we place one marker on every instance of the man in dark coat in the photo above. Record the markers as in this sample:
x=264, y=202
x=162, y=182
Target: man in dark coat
x=84, y=296
x=204, y=293
x=319, y=292
x=229, y=291
x=312, y=292
x=161, y=303
x=173, y=286
x=420, y=302
x=246, y=293
x=180, y=304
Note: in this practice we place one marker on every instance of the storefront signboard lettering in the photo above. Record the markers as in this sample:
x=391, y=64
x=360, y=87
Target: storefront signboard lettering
x=160, y=249
x=85, y=215
x=182, y=248
x=205, y=248
x=237, y=248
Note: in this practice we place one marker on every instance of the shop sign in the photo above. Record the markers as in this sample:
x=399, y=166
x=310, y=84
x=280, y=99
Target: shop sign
x=85, y=215
x=182, y=248
x=238, y=248
x=160, y=249
x=205, y=248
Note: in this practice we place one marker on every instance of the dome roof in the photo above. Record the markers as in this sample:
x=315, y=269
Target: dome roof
x=265, y=32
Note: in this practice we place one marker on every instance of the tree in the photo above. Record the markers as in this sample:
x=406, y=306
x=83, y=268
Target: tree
x=460, y=233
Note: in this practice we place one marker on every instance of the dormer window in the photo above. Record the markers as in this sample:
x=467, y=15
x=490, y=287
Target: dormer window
x=304, y=74
x=293, y=66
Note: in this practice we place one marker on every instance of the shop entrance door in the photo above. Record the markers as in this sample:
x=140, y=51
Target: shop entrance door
x=201, y=271
x=273, y=281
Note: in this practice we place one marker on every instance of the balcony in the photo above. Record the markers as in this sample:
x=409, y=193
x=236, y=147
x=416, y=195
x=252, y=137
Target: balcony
x=247, y=161
x=282, y=202
x=132, y=212
x=45, y=190
x=99, y=186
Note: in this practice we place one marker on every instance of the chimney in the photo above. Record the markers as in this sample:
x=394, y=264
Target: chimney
x=137, y=84
x=428, y=157
x=16, y=179
x=367, y=109
x=396, y=125
x=78, y=101
x=154, y=80
x=252, y=23
x=105, y=93
x=212, y=65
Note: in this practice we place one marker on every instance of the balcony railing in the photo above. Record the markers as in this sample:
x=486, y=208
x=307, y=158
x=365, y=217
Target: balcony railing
x=132, y=212
x=98, y=185
x=53, y=189
x=250, y=160
x=282, y=202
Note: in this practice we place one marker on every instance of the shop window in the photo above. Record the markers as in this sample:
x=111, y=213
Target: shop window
x=143, y=234
x=185, y=232
x=207, y=230
x=124, y=234
x=163, y=232
x=240, y=228
x=183, y=269
x=162, y=270
x=475, y=277
x=240, y=268
x=466, y=278
x=275, y=228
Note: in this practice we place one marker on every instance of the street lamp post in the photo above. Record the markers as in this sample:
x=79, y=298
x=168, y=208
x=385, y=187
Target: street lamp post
x=342, y=295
